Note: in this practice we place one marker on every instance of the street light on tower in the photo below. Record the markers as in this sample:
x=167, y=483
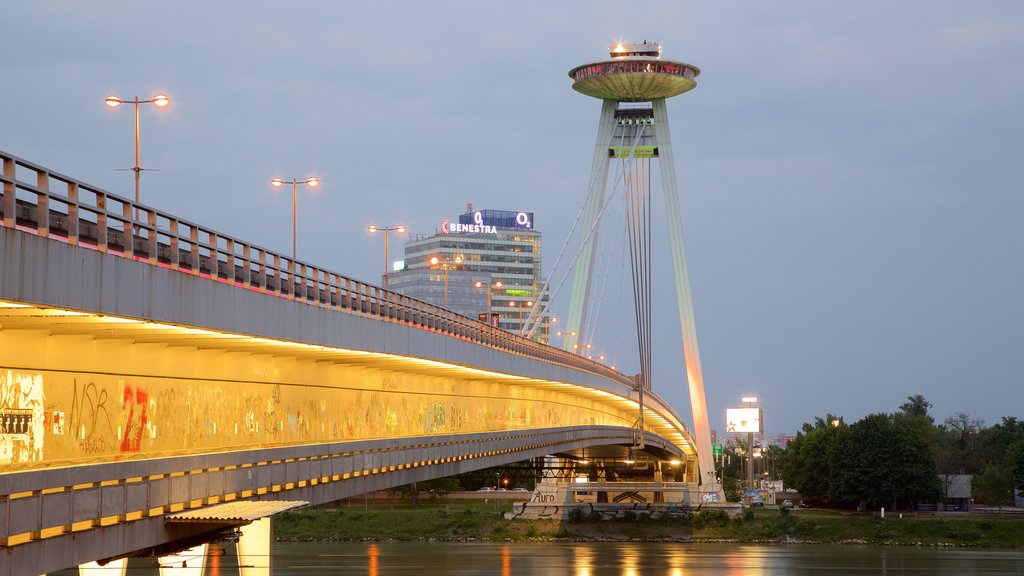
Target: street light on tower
x=400, y=229
x=490, y=286
x=312, y=183
x=446, y=264
x=160, y=101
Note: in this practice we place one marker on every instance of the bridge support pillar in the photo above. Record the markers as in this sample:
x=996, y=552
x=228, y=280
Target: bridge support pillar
x=112, y=568
x=189, y=562
x=254, y=548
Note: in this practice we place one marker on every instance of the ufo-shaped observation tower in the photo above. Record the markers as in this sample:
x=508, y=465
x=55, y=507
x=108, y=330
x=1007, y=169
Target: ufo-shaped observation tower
x=633, y=130
x=634, y=73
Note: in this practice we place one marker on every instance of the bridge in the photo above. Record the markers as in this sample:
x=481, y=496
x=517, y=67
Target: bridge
x=161, y=381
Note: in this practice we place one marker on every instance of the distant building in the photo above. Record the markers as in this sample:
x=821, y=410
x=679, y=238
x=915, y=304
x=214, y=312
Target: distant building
x=493, y=246
x=956, y=489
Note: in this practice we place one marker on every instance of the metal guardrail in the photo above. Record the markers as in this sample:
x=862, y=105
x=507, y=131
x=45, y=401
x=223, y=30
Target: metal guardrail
x=42, y=202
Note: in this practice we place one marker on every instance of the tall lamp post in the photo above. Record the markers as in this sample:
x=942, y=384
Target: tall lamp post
x=400, y=229
x=312, y=183
x=527, y=304
x=160, y=101
x=489, y=285
x=446, y=264
x=750, y=401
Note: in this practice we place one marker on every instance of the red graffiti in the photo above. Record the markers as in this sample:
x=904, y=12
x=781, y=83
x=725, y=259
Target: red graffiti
x=132, y=441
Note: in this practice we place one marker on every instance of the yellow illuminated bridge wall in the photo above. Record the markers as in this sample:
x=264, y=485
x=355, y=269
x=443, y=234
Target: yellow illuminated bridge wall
x=79, y=389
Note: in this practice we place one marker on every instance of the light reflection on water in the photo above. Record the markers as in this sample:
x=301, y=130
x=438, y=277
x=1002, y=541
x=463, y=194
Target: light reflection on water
x=634, y=559
x=604, y=559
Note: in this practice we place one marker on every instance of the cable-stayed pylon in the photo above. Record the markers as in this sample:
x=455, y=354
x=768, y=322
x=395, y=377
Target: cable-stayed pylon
x=633, y=85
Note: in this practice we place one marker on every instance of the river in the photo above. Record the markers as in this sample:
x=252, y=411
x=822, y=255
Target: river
x=630, y=559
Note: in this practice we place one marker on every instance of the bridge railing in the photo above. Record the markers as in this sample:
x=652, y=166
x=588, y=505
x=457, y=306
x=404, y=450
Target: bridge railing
x=51, y=205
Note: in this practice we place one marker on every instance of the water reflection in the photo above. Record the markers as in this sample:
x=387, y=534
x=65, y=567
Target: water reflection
x=607, y=559
x=373, y=552
x=583, y=557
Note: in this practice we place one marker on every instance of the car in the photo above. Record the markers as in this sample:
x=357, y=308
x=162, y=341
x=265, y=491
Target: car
x=486, y=489
x=805, y=504
x=787, y=503
x=501, y=490
x=520, y=490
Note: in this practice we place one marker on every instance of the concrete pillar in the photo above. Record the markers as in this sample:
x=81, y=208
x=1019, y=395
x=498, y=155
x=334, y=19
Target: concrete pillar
x=254, y=548
x=185, y=563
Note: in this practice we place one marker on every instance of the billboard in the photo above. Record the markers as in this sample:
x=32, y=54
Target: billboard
x=744, y=420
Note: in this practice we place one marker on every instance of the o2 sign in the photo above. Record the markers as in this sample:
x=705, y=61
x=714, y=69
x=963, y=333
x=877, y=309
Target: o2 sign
x=501, y=219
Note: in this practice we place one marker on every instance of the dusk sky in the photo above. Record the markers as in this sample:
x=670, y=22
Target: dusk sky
x=850, y=172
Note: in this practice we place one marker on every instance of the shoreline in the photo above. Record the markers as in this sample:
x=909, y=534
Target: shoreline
x=467, y=522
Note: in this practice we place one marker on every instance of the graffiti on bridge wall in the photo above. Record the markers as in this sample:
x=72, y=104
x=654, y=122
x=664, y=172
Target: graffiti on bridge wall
x=22, y=417
x=103, y=417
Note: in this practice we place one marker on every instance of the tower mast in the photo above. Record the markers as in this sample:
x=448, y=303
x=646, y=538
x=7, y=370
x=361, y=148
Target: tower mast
x=636, y=73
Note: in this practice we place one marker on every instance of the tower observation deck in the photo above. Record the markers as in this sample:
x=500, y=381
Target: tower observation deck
x=634, y=73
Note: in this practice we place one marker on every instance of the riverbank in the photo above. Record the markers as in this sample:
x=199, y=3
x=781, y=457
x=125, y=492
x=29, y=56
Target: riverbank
x=458, y=521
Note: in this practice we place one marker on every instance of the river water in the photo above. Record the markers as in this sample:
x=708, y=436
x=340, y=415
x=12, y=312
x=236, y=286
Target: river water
x=633, y=559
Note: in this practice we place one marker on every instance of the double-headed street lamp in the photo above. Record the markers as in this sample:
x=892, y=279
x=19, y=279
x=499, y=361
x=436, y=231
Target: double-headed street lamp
x=446, y=264
x=160, y=101
x=527, y=304
x=400, y=229
x=312, y=183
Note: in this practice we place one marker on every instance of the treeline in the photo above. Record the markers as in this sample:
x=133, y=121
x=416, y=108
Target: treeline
x=895, y=460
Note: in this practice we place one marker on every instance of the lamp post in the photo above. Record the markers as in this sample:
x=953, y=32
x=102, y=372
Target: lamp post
x=750, y=401
x=312, y=183
x=160, y=101
x=489, y=285
x=400, y=229
x=527, y=304
x=446, y=264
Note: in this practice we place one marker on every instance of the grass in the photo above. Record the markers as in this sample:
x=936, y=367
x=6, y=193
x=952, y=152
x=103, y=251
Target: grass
x=832, y=527
x=464, y=520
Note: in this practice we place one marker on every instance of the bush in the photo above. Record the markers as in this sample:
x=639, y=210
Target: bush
x=576, y=515
x=709, y=519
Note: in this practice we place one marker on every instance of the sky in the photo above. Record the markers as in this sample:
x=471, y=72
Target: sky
x=849, y=172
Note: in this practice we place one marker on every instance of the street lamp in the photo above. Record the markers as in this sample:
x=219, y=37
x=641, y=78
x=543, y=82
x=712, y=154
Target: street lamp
x=750, y=401
x=312, y=183
x=160, y=101
x=400, y=229
x=527, y=304
x=490, y=285
x=446, y=264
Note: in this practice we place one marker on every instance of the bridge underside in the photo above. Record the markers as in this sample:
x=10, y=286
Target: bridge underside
x=111, y=510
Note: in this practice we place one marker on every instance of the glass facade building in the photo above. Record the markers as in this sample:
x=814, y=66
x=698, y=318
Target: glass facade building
x=494, y=246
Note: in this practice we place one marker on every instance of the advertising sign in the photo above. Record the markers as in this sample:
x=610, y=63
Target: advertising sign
x=493, y=321
x=744, y=420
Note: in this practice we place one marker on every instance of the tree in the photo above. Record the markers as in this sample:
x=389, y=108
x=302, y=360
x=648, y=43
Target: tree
x=883, y=463
x=994, y=486
x=959, y=445
x=808, y=466
x=916, y=405
x=1016, y=464
x=996, y=443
